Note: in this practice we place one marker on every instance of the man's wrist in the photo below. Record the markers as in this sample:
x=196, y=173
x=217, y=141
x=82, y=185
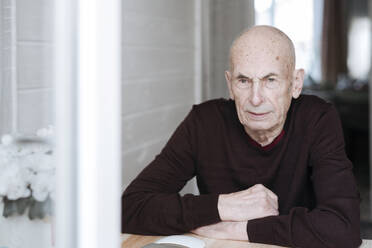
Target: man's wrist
x=220, y=207
x=224, y=230
x=240, y=230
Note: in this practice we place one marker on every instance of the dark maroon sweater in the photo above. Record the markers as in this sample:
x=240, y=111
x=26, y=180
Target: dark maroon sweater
x=307, y=169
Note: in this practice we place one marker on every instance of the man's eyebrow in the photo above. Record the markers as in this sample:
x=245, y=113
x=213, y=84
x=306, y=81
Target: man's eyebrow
x=242, y=76
x=271, y=74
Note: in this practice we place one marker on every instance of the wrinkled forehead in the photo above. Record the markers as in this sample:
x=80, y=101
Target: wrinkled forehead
x=256, y=61
x=264, y=51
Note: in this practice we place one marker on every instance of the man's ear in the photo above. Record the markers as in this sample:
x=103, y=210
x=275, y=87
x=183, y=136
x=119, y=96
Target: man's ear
x=298, y=82
x=228, y=81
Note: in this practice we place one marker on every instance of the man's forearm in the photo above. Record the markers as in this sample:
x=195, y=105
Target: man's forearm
x=166, y=214
x=303, y=228
x=224, y=230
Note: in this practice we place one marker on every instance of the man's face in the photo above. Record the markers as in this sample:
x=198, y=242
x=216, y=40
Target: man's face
x=261, y=85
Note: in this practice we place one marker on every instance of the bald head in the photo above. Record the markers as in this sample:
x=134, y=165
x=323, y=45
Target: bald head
x=263, y=40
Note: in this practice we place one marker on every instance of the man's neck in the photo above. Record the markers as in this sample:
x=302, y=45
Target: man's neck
x=265, y=137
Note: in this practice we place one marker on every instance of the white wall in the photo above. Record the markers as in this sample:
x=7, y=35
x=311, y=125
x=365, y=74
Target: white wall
x=227, y=19
x=34, y=25
x=7, y=66
x=26, y=65
x=158, y=76
x=168, y=47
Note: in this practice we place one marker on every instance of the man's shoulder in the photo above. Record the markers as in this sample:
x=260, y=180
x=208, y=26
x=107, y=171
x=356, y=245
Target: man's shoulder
x=213, y=111
x=213, y=106
x=213, y=103
x=311, y=105
x=310, y=111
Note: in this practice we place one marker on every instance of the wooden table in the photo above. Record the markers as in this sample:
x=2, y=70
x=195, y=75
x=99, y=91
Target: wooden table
x=138, y=241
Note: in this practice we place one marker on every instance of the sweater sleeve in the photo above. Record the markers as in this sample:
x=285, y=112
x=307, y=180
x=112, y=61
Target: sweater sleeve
x=151, y=204
x=334, y=222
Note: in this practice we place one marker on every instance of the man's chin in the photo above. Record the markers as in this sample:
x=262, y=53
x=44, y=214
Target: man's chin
x=258, y=126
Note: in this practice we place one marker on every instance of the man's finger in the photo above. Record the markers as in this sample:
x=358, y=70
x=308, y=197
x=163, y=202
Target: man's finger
x=260, y=187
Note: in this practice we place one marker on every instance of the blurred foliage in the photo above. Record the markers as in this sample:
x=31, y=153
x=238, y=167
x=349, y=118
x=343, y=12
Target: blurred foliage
x=36, y=209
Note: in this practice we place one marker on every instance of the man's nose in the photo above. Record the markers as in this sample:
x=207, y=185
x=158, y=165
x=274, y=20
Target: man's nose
x=256, y=95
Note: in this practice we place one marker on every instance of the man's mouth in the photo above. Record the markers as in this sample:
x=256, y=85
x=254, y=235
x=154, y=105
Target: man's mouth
x=257, y=116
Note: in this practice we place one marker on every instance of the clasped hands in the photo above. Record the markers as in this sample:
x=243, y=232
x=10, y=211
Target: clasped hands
x=236, y=209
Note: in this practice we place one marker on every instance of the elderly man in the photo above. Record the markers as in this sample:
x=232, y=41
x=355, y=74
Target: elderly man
x=270, y=163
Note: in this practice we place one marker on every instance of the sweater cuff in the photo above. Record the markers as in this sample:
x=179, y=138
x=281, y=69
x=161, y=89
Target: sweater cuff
x=260, y=230
x=205, y=210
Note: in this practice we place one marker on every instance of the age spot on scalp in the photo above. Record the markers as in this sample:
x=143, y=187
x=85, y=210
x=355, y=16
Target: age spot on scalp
x=277, y=58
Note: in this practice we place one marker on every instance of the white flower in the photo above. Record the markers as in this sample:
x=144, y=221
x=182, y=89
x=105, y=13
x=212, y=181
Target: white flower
x=39, y=162
x=14, y=181
x=42, y=184
x=6, y=139
x=27, y=168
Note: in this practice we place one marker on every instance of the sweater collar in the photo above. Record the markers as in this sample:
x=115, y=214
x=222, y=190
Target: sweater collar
x=269, y=146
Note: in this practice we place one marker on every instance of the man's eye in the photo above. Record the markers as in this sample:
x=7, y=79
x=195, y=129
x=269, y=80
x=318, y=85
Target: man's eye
x=271, y=83
x=243, y=81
